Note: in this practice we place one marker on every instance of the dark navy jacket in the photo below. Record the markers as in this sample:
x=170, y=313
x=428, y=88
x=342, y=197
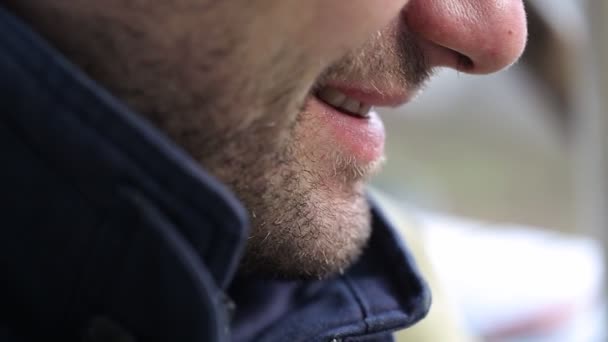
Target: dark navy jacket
x=109, y=232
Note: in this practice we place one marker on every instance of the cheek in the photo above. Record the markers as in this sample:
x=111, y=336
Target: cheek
x=339, y=26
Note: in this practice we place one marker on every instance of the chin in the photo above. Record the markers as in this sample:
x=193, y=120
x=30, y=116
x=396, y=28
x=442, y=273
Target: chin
x=311, y=239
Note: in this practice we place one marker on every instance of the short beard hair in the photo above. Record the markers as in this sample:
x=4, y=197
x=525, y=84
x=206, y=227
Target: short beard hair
x=237, y=109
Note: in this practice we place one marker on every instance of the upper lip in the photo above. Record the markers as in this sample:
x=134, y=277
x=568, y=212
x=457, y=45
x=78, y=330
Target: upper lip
x=374, y=96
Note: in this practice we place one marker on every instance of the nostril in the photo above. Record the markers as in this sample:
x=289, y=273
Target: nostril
x=464, y=63
x=442, y=56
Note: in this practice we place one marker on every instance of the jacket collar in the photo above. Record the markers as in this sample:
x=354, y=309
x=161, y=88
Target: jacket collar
x=72, y=118
x=68, y=117
x=382, y=292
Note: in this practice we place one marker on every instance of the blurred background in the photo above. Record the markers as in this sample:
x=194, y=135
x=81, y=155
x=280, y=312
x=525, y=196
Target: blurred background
x=506, y=178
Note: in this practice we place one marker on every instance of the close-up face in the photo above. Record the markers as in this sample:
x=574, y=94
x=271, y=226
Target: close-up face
x=275, y=97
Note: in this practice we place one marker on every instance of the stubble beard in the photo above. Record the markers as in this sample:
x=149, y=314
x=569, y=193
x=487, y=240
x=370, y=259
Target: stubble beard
x=243, y=123
x=307, y=221
x=303, y=226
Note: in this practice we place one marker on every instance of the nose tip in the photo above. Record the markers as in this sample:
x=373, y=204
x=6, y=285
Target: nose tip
x=488, y=35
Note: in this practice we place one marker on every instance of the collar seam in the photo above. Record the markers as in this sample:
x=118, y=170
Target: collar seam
x=358, y=297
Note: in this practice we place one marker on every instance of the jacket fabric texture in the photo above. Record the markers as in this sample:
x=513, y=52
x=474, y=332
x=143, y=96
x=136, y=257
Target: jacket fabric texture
x=110, y=232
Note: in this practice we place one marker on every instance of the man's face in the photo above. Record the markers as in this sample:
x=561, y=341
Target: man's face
x=273, y=97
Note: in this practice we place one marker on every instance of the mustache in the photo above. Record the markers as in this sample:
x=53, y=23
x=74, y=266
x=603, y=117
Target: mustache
x=390, y=59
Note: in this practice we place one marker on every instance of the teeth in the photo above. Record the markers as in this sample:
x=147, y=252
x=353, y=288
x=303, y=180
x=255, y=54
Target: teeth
x=332, y=96
x=351, y=106
x=364, y=110
x=340, y=101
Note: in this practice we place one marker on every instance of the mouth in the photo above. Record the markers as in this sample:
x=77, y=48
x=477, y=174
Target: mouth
x=358, y=101
x=351, y=128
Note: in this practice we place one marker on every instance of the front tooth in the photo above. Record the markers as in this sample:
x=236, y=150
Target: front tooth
x=351, y=105
x=332, y=96
x=364, y=110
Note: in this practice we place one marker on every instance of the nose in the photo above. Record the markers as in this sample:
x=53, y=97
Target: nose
x=474, y=36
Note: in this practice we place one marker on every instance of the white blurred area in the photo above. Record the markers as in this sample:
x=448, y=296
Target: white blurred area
x=507, y=175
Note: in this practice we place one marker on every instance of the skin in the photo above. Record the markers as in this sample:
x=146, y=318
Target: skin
x=231, y=81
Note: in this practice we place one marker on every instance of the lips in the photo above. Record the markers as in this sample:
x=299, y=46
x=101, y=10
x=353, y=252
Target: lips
x=345, y=124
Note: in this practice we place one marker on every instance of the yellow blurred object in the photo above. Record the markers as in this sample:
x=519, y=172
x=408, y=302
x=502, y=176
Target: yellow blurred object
x=443, y=323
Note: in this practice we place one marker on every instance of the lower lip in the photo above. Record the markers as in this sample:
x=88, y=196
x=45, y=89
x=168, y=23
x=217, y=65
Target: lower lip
x=360, y=138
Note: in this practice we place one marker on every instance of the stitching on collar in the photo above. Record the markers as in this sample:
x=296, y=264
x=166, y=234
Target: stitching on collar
x=359, y=299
